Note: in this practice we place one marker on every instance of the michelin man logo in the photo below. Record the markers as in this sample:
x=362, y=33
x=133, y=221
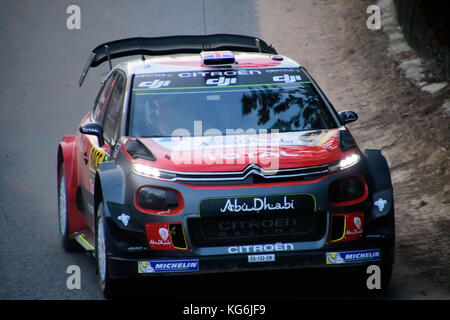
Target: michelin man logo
x=380, y=203
x=145, y=267
x=337, y=259
x=124, y=218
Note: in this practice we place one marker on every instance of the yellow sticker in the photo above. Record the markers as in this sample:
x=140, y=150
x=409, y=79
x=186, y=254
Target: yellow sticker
x=97, y=156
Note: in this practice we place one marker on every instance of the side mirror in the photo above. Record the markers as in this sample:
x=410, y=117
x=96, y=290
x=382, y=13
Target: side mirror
x=348, y=116
x=94, y=129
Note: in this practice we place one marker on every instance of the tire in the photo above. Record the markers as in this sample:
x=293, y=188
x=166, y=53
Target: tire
x=107, y=285
x=68, y=244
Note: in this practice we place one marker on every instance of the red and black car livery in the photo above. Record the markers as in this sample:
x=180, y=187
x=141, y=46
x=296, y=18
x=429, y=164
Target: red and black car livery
x=214, y=154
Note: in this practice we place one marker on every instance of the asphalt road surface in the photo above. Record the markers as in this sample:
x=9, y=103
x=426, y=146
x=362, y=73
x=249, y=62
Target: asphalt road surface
x=40, y=102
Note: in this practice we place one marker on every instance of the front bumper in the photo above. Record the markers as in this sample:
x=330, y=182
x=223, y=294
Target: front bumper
x=378, y=233
x=128, y=266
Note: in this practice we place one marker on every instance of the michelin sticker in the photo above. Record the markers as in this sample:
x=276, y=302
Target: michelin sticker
x=168, y=266
x=344, y=257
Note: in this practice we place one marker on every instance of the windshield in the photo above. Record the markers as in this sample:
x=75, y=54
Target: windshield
x=261, y=99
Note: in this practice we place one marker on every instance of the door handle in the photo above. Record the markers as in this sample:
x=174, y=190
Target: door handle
x=85, y=158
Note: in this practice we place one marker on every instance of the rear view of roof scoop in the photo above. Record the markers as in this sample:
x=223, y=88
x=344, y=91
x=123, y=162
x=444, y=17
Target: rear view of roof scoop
x=217, y=58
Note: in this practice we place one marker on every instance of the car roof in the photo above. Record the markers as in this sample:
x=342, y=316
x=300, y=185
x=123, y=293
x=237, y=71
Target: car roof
x=193, y=62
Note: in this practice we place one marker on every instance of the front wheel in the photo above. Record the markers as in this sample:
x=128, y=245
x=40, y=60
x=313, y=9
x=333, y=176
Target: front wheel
x=107, y=284
x=69, y=245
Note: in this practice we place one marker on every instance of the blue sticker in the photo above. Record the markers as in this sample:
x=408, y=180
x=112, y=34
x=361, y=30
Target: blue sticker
x=168, y=266
x=353, y=256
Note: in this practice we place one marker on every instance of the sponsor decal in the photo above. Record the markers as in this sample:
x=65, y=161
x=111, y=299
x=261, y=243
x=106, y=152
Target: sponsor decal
x=266, y=204
x=168, y=266
x=353, y=226
x=357, y=223
x=124, y=218
x=159, y=236
x=258, y=205
x=97, y=156
x=344, y=257
x=220, y=82
x=287, y=78
x=261, y=248
x=164, y=233
x=380, y=203
x=257, y=224
x=261, y=258
x=220, y=73
x=154, y=84
x=230, y=142
x=191, y=80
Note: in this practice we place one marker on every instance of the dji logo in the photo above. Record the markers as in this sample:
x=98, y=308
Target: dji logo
x=154, y=84
x=287, y=78
x=221, y=81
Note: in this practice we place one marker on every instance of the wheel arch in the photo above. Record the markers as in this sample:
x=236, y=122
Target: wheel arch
x=67, y=154
x=382, y=197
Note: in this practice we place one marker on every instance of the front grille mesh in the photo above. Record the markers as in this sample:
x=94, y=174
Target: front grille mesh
x=254, y=229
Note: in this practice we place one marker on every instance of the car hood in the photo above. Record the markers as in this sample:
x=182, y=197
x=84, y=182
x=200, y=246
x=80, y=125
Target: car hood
x=236, y=152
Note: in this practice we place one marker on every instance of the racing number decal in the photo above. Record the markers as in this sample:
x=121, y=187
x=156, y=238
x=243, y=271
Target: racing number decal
x=97, y=156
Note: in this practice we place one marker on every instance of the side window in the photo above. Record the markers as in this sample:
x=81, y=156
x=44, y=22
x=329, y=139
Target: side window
x=102, y=98
x=111, y=119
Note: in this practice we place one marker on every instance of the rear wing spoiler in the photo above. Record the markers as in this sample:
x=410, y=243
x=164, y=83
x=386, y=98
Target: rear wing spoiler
x=172, y=45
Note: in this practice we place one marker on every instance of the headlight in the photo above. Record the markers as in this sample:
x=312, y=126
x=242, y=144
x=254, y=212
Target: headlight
x=152, y=172
x=345, y=163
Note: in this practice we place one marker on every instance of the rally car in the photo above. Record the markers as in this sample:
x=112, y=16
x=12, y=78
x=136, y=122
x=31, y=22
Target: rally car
x=214, y=153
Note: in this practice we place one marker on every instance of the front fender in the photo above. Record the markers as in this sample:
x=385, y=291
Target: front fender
x=381, y=184
x=67, y=155
x=109, y=185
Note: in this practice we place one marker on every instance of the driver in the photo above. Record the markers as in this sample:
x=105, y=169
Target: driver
x=156, y=118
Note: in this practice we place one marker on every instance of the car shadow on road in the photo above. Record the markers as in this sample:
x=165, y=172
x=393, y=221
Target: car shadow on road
x=310, y=284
